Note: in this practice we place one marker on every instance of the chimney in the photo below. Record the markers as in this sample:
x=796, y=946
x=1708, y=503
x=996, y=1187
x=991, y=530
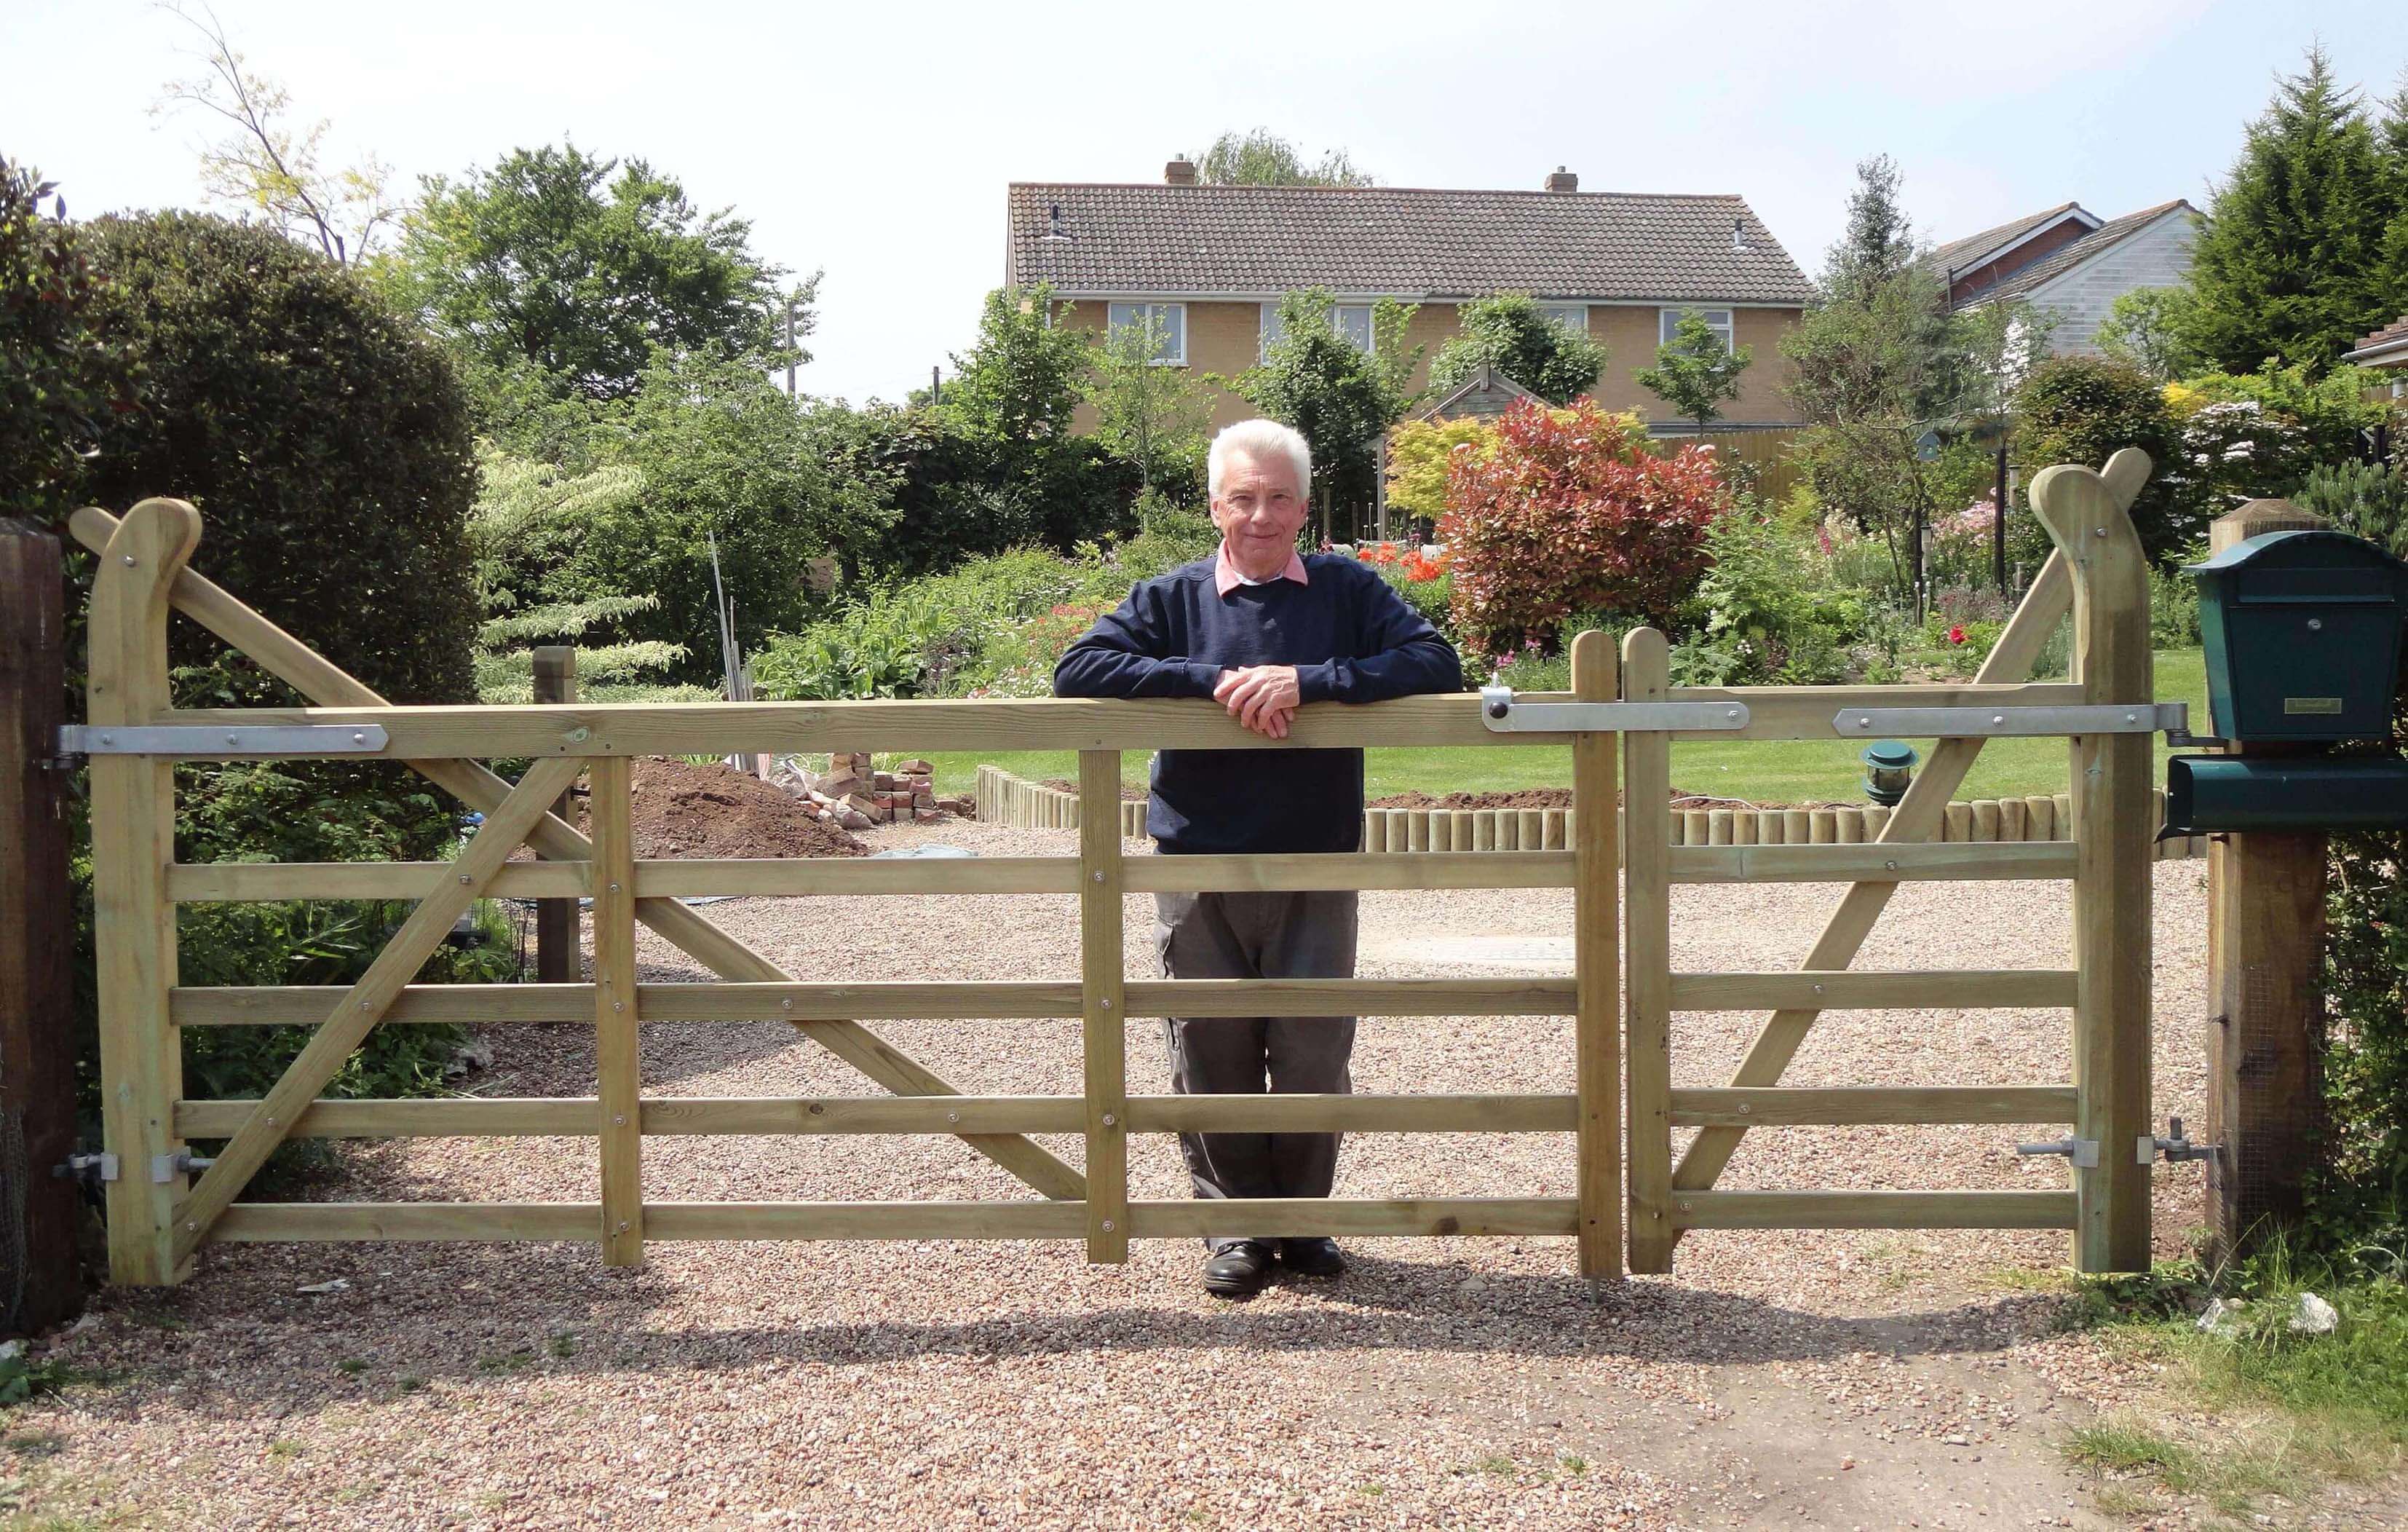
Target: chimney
x=1180, y=171
x=1563, y=180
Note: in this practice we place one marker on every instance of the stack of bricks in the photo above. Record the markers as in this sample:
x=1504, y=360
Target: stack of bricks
x=906, y=795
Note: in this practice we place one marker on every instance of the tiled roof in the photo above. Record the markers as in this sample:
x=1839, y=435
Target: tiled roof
x=2392, y=337
x=1971, y=250
x=2057, y=262
x=1395, y=242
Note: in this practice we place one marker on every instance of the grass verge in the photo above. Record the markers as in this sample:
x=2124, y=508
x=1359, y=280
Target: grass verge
x=2291, y=1409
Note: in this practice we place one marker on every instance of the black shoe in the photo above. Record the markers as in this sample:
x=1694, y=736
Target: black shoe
x=1239, y=1270
x=1311, y=1257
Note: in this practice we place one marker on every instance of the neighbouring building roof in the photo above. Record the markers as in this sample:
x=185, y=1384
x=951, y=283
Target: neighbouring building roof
x=1259, y=241
x=1977, y=249
x=2023, y=280
x=2386, y=347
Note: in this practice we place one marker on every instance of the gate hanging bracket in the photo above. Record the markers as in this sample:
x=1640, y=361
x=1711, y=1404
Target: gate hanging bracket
x=2175, y=1146
x=202, y=741
x=1948, y=723
x=1503, y=715
x=2083, y=1153
x=91, y=1169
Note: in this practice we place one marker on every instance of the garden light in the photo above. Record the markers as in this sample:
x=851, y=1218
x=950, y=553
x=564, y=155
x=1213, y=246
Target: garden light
x=1889, y=766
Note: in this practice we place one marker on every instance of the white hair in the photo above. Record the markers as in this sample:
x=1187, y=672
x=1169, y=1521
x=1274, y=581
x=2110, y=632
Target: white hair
x=1259, y=439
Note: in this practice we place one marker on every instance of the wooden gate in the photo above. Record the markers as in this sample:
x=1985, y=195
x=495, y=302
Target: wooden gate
x=2100, y=573
x=160, y=1214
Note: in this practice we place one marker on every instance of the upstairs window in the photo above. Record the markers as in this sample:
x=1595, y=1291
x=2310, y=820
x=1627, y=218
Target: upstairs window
x=1669, y=319
x=1571, y=316
x=1350, y=320
x=1169, y=323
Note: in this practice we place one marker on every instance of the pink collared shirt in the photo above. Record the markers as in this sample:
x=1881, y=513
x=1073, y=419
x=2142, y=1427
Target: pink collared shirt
x=1225, y=577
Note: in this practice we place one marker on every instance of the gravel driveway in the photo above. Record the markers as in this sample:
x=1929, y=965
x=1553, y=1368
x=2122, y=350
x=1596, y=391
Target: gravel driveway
x=1810, y=1379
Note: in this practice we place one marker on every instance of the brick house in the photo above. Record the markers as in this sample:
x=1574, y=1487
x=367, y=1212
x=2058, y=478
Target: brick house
x=1210, y=263
x=2069, y=261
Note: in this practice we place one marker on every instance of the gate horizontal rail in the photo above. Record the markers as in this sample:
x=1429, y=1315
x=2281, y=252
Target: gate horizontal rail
x=572, y=1116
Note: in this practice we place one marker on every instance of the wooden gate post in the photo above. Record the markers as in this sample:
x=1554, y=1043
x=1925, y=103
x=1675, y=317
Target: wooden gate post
x=1596, y=964
x=133, y=841
x=556, y=957
x=2114, y=834
x=1647, y=956
x=41, y=1281
x=2265, y=1000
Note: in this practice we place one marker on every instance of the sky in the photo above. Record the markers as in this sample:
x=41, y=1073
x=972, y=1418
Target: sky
x=875, y=141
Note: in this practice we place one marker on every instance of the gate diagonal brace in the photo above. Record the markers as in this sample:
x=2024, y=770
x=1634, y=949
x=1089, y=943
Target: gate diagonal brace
x=1503, y=715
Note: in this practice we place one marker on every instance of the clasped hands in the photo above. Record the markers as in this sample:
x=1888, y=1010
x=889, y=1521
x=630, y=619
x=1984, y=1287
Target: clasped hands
x=1263, y=698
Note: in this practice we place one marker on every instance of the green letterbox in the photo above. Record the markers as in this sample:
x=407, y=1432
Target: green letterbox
x=2301, y=632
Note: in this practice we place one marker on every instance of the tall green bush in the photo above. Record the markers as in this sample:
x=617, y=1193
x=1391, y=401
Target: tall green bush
x=326, y=444
x=60, y=380
x=2084, y=409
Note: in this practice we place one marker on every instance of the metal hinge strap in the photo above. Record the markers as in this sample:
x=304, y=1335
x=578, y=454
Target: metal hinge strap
x=1503, y=715
x=2010, y=722
x=204, y=742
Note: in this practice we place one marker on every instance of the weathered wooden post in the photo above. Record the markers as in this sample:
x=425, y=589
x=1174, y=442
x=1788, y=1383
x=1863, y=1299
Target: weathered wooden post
x=556, y=935
x=2265, y=989
x=41, y=1279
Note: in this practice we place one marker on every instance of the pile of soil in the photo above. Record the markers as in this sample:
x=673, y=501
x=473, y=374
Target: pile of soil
x=684, y=810
x=1521, y=798
x=1128, y=794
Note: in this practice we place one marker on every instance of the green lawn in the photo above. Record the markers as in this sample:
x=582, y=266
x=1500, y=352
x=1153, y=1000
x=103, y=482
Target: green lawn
x=1760, y=771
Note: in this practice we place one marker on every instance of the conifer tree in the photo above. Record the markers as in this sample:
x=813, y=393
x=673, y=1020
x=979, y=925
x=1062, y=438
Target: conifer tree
x=2290, y=262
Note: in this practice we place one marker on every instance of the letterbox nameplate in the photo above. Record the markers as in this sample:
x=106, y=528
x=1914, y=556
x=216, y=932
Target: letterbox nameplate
x=2320, y=706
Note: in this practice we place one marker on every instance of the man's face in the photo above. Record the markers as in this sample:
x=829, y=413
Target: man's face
x=1259, y=509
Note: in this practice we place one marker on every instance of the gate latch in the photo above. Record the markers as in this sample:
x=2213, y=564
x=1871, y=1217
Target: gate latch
x=2175, y=1146
x=1504, y=714
x=2083, y=1153
x=91, y=1169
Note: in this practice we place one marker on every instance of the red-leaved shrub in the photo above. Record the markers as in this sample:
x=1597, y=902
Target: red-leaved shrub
x=1572, y=513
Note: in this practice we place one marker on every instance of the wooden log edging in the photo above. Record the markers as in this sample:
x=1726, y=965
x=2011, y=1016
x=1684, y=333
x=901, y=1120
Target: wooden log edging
x=1006, y=798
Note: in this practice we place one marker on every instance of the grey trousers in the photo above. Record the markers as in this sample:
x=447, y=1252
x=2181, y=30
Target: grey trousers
x=1258, y=935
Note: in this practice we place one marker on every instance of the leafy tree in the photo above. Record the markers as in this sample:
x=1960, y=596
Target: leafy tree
x=1018, y=384
x=60, y=380
x=1569, y=513
x=1878, y=366
x=524, y=510
x=1151, y=416
x=1506, y=331
x=556, y=274
x=1421, y=459
x=2288, y=264
x=263, y=164
x=722, y=455
x=1341, y=397
x=1263, y=158
x=1694, y=370
x=2146, y=329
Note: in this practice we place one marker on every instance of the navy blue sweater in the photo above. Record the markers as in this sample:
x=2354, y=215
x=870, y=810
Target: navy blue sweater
x=1351, y=638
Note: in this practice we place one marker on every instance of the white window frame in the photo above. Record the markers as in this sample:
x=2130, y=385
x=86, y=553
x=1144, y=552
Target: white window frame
x=1118, y=314
x=1571, y=316
x=1667, y=319
x=1263, y=330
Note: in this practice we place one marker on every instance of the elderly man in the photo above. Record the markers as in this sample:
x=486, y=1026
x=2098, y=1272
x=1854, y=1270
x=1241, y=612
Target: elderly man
x=1263, y=631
